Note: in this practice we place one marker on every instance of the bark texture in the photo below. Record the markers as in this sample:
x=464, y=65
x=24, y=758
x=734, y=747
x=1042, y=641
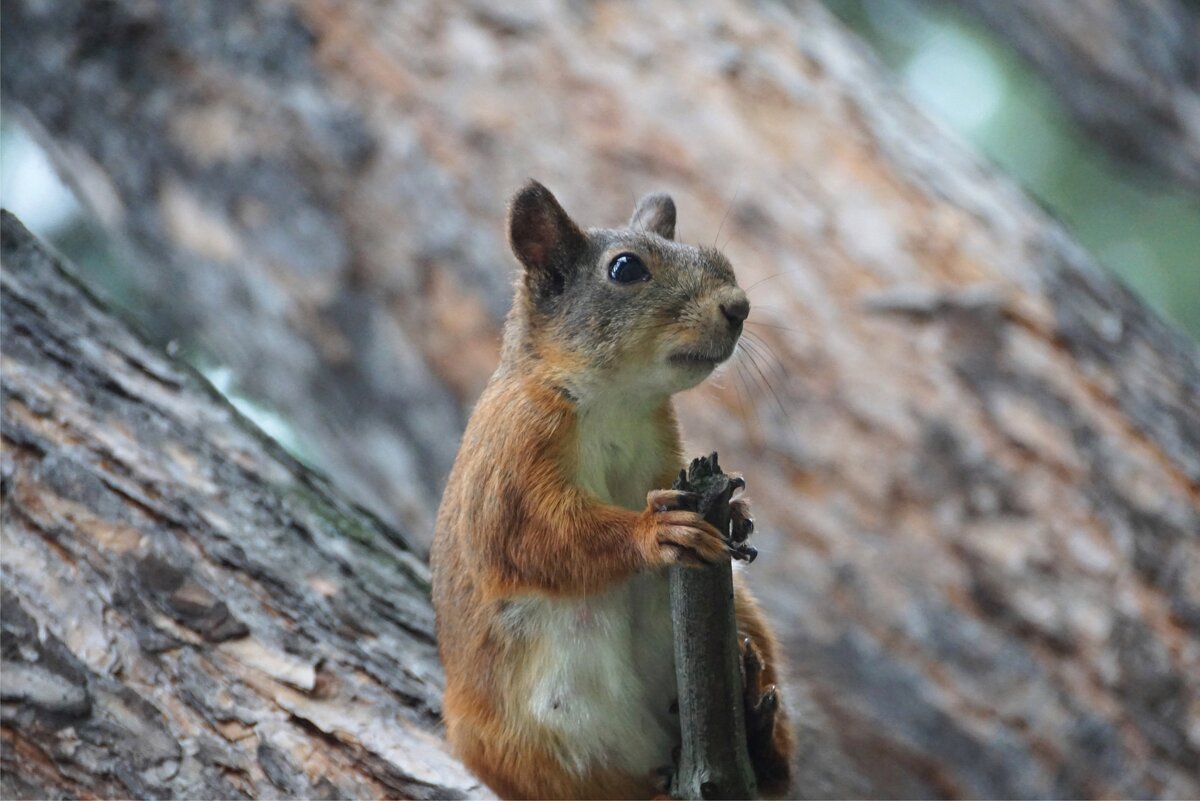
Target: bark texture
x=976, y=471
x=187, y=611
x=1127, y=70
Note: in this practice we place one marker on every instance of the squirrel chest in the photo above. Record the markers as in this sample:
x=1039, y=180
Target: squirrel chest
x=618, y=454
x=600, y=670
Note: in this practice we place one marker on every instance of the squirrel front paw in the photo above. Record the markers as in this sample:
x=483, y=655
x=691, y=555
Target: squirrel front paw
x=715, y=488
x=741, y=526
x=676, y=533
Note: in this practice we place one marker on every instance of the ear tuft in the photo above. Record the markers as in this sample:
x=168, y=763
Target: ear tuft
x=541, y=234
x=655, y=213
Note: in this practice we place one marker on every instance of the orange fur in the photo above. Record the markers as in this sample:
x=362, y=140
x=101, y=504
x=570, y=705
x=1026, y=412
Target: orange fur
x=511, y=523
x=517, y=535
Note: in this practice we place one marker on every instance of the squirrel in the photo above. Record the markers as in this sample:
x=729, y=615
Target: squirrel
x=554, y=533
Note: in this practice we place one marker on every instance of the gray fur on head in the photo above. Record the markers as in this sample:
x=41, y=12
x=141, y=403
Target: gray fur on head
x=660, y=334
x=655, y=213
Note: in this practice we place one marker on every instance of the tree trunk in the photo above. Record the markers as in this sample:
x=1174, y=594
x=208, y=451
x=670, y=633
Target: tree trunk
x=976, y=470
x=1128, y=71
x=188, y=612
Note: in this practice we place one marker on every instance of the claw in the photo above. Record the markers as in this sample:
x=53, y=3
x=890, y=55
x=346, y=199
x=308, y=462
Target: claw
x=751, y=667
x=742, y=529
x=742, y=552
x=769, y=702
x=763, y=713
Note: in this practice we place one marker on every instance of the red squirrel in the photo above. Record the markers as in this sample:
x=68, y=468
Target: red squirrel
x=555, y=531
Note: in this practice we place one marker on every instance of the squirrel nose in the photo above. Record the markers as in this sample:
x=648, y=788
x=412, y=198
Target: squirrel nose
x=736, y=311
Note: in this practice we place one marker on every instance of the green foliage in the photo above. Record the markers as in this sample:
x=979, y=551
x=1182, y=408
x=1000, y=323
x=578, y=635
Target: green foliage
x=1136, y=224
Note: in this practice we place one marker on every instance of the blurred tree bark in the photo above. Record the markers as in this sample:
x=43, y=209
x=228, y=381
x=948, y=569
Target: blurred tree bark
x=1127, y=70
x=976, y=467
x=187, y=611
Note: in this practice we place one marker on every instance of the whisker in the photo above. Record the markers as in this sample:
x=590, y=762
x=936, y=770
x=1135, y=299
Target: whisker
x=726, y=215
x=771, y=389
x=748, y=383
x=757, y=360
x=757, y=367
x=772, y=278
x=774, y=325
x=771, y=355
x=760, y=346
x=770, y=307
x=737, y=365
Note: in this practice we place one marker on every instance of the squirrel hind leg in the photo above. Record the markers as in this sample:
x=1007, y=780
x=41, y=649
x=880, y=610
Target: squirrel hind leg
x=767, y=737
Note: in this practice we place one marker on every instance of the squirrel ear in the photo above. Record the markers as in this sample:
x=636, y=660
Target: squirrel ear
x=543, y=237
x=655, y=213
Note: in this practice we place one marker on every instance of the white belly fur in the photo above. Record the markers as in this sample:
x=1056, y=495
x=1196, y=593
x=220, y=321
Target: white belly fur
x=601, y=675
x=603, y=668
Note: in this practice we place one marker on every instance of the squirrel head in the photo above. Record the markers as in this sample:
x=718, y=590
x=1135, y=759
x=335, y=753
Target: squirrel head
x=626, y=309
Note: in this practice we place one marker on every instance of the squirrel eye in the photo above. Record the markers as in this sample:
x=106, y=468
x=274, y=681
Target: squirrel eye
x=627, y=268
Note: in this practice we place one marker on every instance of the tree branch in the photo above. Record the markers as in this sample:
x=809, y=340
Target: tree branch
x=1127, y=70
x=188, y=612
x=713, y=761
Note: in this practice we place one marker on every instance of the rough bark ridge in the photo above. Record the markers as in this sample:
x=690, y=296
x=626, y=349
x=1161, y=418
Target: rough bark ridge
x=1127, y=70
x=977, y=475
x=188, y=612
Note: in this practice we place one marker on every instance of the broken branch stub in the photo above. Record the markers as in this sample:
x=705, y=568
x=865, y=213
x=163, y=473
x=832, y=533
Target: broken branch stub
x=713, y=759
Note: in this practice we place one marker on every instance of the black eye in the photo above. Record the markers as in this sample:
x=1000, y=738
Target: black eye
x=627, y=268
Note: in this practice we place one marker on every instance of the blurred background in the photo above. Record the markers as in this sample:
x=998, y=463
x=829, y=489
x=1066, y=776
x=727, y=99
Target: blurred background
x=1137, y=223
x=966, y=400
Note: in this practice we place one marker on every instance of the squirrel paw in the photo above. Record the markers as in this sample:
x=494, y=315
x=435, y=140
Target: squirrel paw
x=761, y=702
x=762, y=713
x=741, y=521
x=685, y=538
x=681, y=534
x=674, y=500
x=741, y=527
x=705, y=477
